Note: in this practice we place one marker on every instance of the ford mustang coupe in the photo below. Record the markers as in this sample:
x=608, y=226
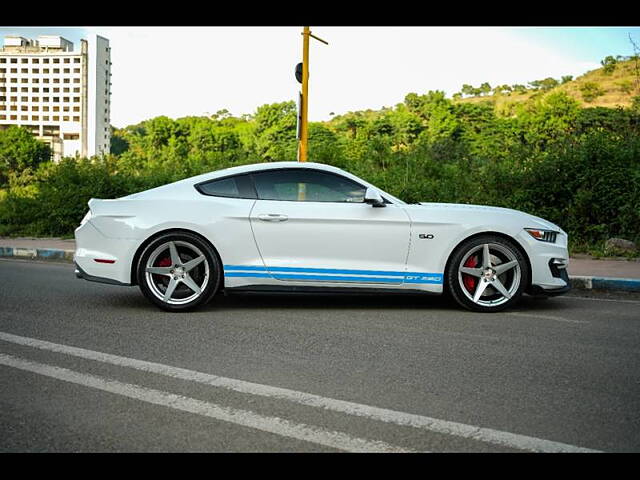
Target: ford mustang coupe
x=313, y=227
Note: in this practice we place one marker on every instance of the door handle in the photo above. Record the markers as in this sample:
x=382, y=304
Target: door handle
x=272, y=217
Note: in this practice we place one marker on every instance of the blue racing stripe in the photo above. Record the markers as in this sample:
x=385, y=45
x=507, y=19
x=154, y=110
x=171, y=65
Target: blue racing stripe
x=432, y=279
x=285, y=276
x=261, y=272
x=322, y=270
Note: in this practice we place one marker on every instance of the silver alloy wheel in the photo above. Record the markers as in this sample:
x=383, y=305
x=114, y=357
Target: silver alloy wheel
x=184, y=279
x=495, y=280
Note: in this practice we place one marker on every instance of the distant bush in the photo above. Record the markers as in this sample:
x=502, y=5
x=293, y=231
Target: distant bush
x=590, y=91
x=626, y=86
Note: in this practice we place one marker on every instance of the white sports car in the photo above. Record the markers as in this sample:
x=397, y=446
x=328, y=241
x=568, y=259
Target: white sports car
x=313, y=227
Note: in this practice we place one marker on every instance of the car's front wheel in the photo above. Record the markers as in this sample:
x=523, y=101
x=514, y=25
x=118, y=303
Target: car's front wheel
x=487, y=273
x=179, y=271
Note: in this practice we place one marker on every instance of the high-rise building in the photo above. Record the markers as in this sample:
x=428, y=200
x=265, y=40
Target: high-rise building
x=60, y=94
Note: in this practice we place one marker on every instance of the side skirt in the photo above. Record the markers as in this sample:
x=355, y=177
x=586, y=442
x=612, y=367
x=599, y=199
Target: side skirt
x=287, y=289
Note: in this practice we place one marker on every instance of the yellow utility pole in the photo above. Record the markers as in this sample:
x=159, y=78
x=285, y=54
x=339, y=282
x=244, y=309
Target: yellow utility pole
x=304, y=107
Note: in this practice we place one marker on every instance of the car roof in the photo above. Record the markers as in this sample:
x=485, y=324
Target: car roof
x=256, y=167
x=187, y=183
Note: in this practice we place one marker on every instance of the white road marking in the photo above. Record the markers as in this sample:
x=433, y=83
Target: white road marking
x=545, y=317
x=481, y=434
x=600, y=299
x=245, y=418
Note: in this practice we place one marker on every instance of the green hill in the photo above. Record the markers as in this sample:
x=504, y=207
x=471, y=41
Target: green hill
x=610, y=86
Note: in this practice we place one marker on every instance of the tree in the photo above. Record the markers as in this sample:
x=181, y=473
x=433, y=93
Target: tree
x=467, y=89
x=519, y=88
x=221, y=114
x=160, y=130
x=20, y=150
x=324, y=145
x=119, y=143
x=609, y=64
x=443, y=124
x=485, y=88
x=407, y=126
x=566, y=79
x=548, y=119
x=275, y=131
x=536, y=84
x=548, y=83
x=500, y=89
x=423, y=105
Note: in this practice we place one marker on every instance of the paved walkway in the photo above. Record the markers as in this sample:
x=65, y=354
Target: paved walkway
x=590, y=267
x=29, y=242
x=583, y=265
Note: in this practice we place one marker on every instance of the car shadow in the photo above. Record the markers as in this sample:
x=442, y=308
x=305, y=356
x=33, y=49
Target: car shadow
x=316, y=301
x=132, y=299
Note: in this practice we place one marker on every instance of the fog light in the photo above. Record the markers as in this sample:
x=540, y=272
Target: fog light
x=560, y=262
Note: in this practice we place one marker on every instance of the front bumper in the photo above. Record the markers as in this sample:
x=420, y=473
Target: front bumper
x=556, y=272
x=549, y=263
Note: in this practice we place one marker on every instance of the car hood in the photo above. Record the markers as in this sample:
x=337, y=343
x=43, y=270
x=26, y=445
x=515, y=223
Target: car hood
x=532, y=220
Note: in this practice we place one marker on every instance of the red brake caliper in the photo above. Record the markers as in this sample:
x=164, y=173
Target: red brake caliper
x=468, y=280
x=165, y=262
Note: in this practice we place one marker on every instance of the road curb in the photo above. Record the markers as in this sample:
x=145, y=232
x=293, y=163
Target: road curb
x=42, y=254
x=577, y=282
x=605, y=283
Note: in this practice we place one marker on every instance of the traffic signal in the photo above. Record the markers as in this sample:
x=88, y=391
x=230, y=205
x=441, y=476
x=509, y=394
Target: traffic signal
x=299, y=72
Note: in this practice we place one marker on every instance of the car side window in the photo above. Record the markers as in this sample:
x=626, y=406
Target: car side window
x=306, y=185
x=239, y=186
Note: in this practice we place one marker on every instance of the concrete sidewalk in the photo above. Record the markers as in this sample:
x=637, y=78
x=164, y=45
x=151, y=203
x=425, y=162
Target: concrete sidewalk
x=584, y=271
x=583, y=266
x=30, y=242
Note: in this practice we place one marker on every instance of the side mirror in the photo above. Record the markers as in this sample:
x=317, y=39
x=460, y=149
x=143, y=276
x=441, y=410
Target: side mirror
x=373, y=198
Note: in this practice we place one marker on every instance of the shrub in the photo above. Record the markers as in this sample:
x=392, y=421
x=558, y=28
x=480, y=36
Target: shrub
x=590, y=91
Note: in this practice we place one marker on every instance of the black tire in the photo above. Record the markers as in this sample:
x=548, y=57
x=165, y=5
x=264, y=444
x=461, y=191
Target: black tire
x=508, y=270
x=206, y=275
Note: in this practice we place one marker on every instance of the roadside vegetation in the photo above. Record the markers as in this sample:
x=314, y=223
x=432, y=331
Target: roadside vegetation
x=549, y=154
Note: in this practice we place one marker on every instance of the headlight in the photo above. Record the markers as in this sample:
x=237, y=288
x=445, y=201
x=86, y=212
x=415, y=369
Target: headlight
x=548, y=236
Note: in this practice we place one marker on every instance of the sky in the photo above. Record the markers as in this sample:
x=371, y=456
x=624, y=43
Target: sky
x=180, y=71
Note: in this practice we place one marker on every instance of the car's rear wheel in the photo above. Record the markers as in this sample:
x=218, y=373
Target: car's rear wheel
x=179, y=271
x=487, y=273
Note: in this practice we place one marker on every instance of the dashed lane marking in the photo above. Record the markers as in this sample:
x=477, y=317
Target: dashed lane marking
x=279, y=426
x=487, y=435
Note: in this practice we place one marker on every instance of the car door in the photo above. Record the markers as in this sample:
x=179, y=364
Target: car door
x=312, y=225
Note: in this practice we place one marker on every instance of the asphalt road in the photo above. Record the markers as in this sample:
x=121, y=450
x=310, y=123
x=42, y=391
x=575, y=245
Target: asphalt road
x=92, y=367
